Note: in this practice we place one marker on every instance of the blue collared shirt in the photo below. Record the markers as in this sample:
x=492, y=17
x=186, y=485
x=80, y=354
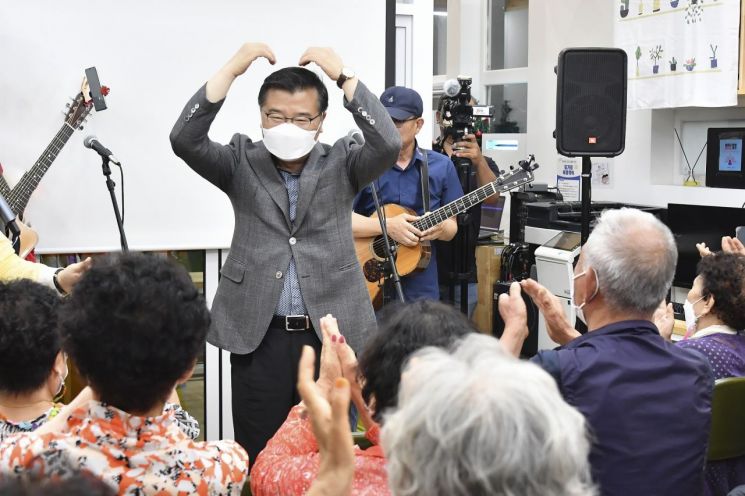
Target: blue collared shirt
x=291, y=299
x=647, y=403
x=404, y=187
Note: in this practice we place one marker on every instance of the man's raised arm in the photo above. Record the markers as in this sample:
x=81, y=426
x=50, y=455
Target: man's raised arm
x=189, y=139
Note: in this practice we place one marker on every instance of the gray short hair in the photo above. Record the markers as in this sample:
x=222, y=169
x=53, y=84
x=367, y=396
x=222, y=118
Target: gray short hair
x=634, y=256
x=479, y=421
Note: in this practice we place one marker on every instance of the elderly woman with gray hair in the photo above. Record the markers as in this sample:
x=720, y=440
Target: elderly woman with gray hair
x=476, y=421
x=622, y=375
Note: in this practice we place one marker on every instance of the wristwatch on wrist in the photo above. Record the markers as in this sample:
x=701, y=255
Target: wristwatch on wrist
x=346, y=73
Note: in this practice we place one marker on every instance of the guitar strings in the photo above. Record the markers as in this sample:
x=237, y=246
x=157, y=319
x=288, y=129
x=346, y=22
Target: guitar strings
x=29, y=181
x=451, y=208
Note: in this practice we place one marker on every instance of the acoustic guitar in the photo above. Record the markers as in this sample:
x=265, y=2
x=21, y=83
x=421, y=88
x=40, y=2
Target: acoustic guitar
x=371, y=250
x=18, y=197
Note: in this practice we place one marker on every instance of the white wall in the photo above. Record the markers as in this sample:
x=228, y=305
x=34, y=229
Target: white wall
x=576, y=23
x=154, y=56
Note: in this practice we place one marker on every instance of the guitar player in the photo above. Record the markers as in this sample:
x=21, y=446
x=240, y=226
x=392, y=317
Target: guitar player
x=402, y=184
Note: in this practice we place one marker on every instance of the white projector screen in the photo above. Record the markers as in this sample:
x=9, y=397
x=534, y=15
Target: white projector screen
x=154, y=55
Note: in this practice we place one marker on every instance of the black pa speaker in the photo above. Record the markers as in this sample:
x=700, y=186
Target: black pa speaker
x=591, y=102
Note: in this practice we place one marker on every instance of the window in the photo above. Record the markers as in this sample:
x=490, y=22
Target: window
x=440, y=35
x=507, y=34
x=510, y=102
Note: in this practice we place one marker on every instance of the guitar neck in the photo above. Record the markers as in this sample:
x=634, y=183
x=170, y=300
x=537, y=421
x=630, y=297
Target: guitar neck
x=501, y=184
x=458, y=206
x=27, y=185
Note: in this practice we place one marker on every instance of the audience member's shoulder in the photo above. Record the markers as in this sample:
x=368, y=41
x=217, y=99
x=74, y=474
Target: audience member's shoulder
x=238, y=455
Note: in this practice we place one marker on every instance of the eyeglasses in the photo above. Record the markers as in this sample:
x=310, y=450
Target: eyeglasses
x=399, y=123
x=303, y=122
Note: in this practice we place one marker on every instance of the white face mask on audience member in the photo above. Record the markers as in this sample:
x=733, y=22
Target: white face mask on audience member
x=689, y=307
x=579, y=309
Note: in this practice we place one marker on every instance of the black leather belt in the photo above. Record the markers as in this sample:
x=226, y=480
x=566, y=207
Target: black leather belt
x=292, y=322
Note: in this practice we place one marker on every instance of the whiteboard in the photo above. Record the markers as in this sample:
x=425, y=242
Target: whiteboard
x=154, y=55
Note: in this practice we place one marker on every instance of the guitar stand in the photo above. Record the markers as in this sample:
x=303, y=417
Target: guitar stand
x=390, y=272
x=110, y=185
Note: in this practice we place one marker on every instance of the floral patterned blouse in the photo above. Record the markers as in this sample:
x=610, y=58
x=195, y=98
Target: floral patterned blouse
x=289, y=463
x=134, y=455
x=188, y=424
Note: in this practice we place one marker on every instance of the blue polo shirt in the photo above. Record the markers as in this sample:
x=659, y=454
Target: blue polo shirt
x=404, y=187
x=647, y=403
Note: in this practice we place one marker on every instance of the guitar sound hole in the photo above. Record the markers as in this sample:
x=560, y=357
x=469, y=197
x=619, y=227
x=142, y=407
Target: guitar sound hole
x=378, y=247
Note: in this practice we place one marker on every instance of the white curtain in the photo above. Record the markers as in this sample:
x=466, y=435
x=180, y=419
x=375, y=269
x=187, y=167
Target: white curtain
x=682, y=53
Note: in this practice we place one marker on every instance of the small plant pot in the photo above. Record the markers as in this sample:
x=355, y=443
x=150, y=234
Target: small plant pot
x=673, y=67
x=689, y=67
x=624, y=12
x=713, y=63
x=655, y=69
x=674, y=3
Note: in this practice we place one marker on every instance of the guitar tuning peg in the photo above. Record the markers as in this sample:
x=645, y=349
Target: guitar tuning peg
x=80, y=127
x=67, y=105
x=512, y=167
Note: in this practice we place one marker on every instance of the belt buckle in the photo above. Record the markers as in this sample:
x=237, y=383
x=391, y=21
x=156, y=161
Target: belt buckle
x=297, y=322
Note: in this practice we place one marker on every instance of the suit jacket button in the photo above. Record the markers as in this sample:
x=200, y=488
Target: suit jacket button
x=293, y=241
x=278, y=275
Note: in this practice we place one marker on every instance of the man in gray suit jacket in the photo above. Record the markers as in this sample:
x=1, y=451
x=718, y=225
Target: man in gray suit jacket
x=292, y=257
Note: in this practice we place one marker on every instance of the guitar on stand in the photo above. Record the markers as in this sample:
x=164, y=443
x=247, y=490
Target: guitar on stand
x=18, y=197
x=370, y=250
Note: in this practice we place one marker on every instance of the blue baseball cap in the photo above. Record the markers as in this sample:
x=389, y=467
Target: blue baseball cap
x=402, y=103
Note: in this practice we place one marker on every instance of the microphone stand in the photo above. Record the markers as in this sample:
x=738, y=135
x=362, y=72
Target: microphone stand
x=110, y=185
x=390, y=262
x=14, y=235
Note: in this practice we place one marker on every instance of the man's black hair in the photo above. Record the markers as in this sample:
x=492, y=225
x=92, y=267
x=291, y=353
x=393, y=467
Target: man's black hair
x=293, y=79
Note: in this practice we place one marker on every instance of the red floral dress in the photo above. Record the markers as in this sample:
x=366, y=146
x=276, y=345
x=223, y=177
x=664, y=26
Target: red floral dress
x=289, y=463
x=134, y=455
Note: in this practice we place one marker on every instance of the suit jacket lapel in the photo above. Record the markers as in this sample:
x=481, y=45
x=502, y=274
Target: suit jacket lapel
x=262, y=163
x=308, y=180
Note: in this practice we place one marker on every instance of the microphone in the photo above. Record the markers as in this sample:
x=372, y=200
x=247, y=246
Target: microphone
x=451, y=87
x=356, y=136
x=95, y=145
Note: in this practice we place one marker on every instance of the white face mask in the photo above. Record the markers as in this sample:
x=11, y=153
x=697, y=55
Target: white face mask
x=578, y=308
x=288, y=141
x=690, y=316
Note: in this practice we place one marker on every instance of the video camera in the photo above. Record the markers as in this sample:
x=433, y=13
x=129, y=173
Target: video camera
x=457, y=116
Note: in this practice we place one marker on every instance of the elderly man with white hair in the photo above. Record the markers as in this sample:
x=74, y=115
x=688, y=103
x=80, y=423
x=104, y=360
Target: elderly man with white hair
x=646, y=400
x=476, y=421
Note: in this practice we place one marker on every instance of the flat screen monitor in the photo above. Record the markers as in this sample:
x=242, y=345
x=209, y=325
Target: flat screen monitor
x=724, y=157
x=693, y=224
x=491, y=214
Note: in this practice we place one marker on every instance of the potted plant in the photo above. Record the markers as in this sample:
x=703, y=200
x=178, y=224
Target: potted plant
x=673, y=3
x=641, y=7
x=638, y=54
x=625, y=8
x=655, y=55
x=655, y=5
x=690, y=64
x=713, y=56
x=673, y=64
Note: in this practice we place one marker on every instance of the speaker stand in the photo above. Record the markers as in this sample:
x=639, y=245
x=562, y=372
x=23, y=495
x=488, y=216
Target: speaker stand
x=586, y=198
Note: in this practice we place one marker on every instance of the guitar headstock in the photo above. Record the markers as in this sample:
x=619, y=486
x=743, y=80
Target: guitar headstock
x=81, y=106
x=518, y=176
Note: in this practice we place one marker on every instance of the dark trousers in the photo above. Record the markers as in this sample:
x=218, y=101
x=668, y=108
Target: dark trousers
x=264, y=386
